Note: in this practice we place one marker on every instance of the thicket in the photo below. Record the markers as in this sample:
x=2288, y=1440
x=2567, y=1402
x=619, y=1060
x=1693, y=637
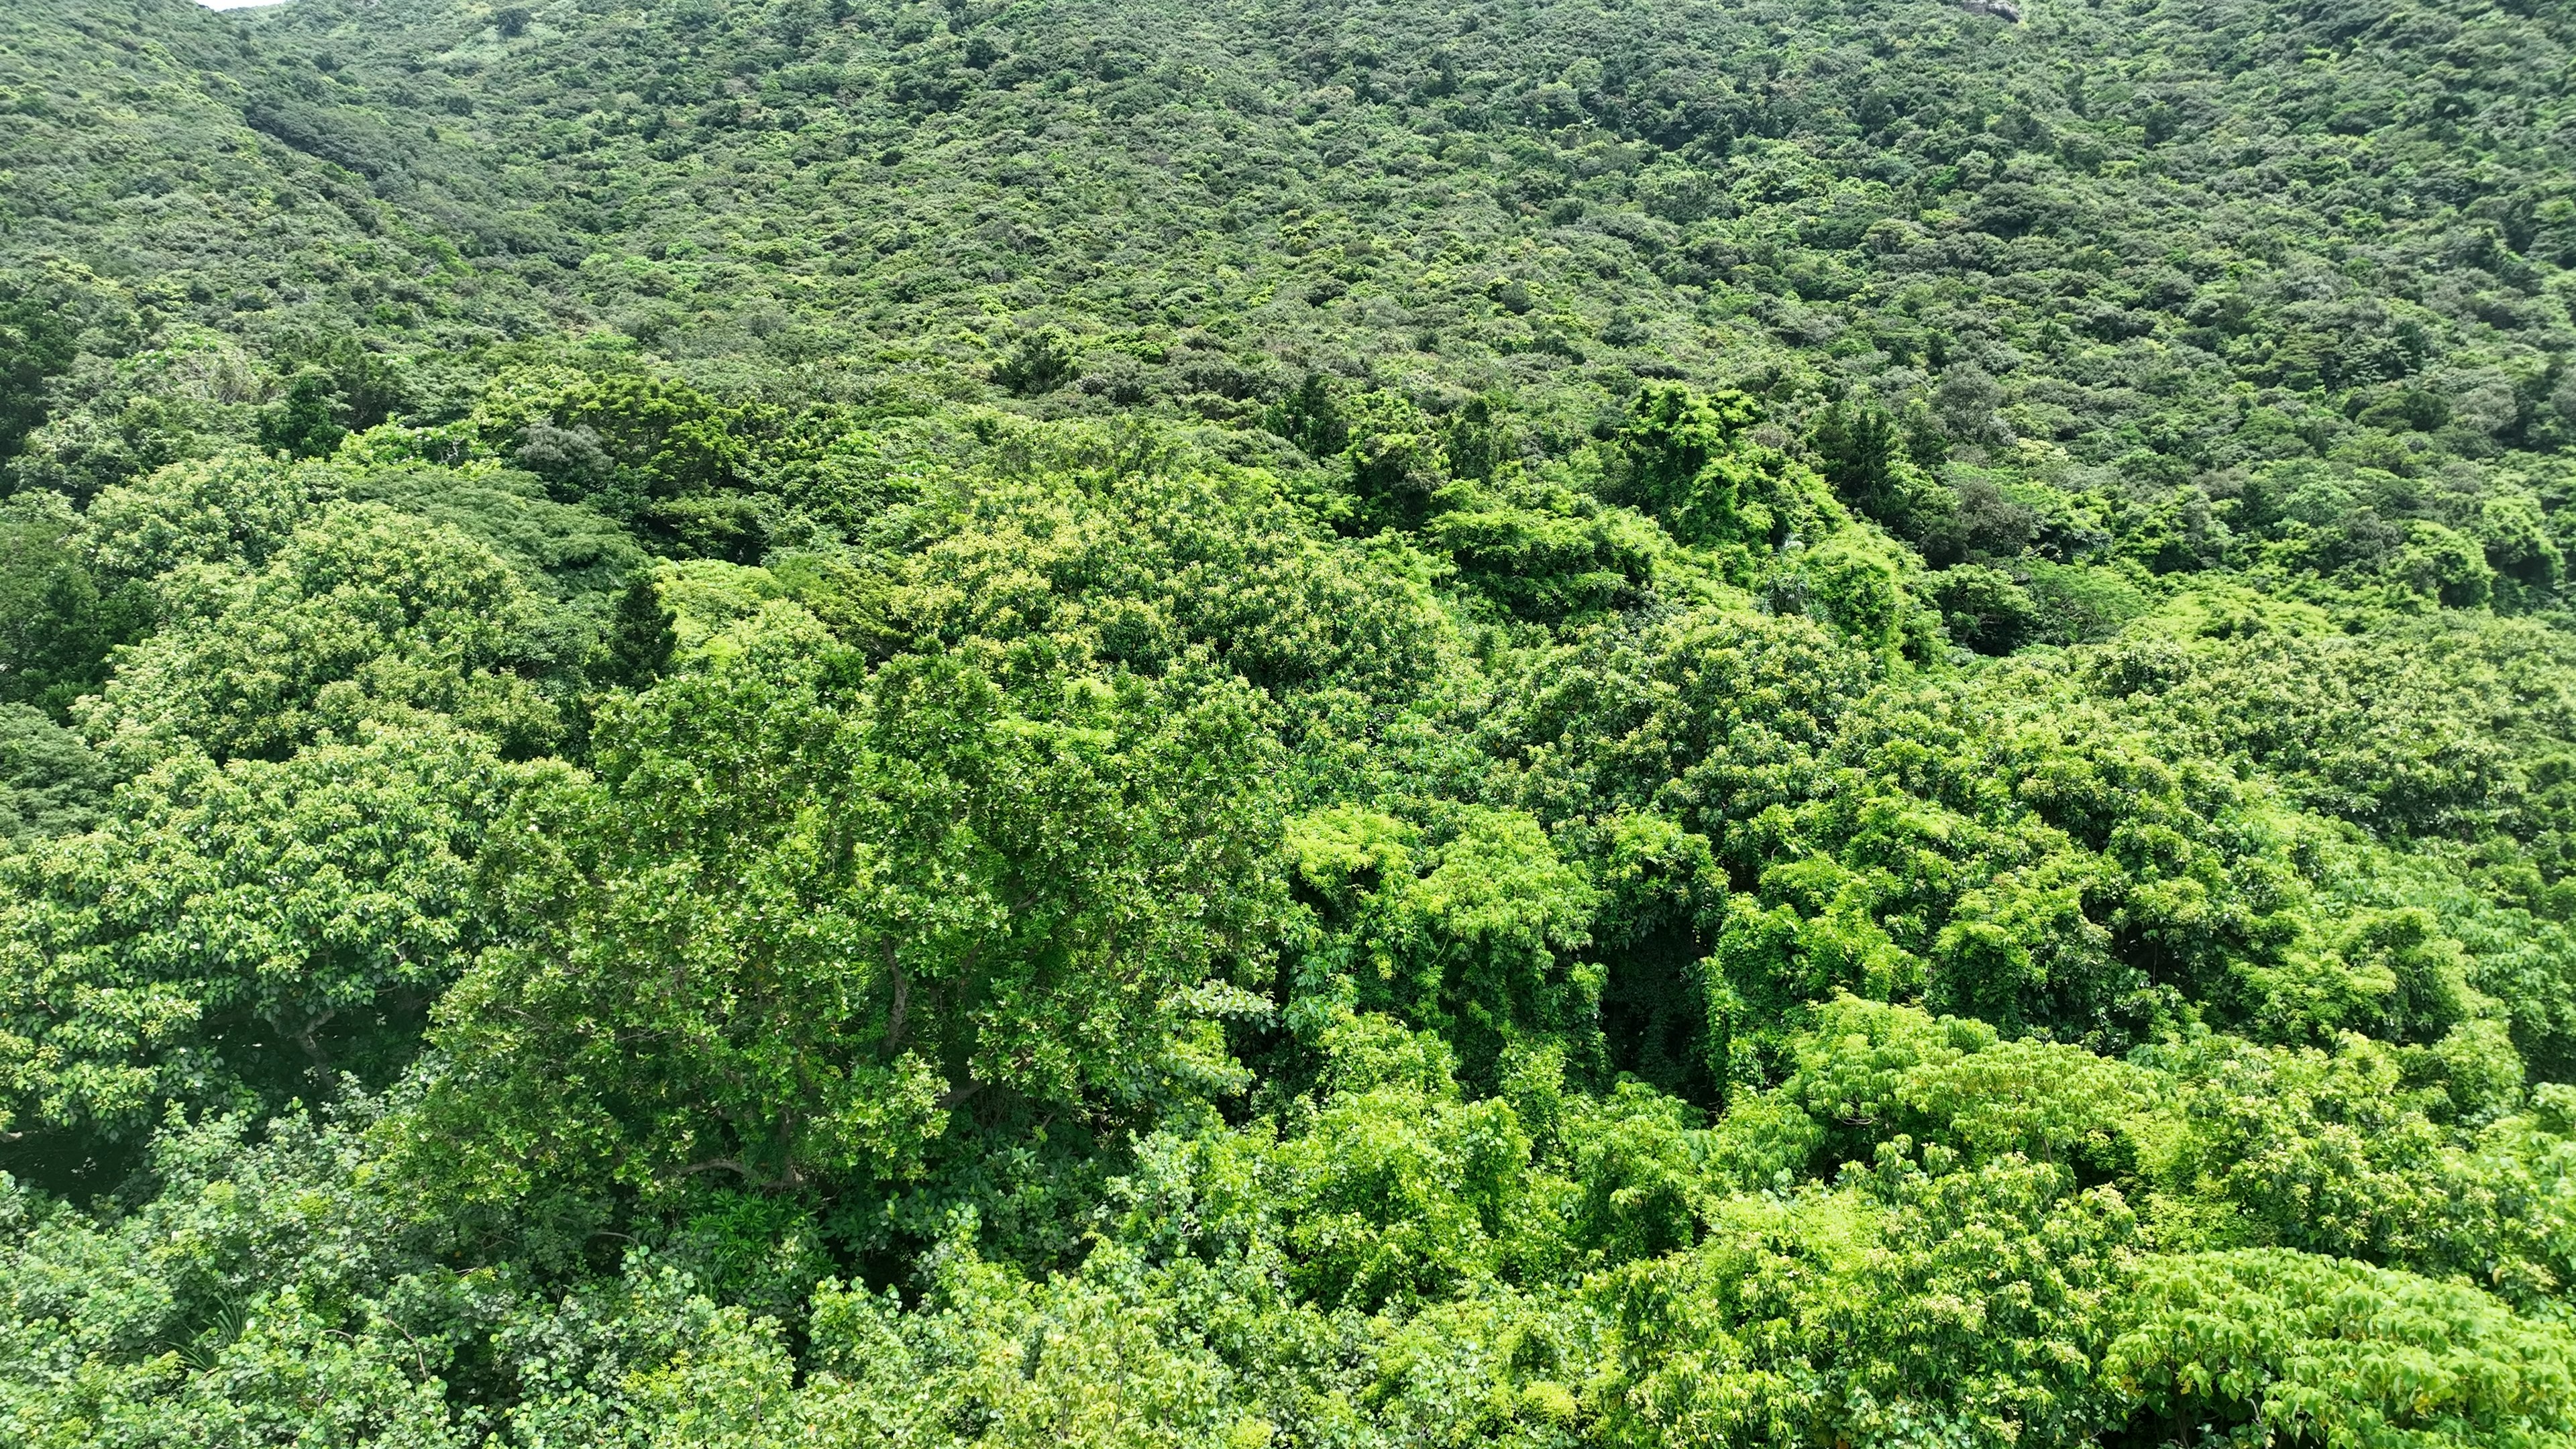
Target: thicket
x=1287, y=723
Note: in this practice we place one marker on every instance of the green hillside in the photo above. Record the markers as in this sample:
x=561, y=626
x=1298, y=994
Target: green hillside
x=1290, y=724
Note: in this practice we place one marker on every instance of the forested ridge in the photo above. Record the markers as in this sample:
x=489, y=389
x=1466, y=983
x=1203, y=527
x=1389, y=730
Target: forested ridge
x=1276, y=722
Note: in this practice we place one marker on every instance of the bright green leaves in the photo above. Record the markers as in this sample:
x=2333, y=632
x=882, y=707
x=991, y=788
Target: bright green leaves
x=560, y=550
x=1387, y=1196
x=1855, y=585
x=1245, y=932
x=803, y=915
x=2361, y=1152
x=362, y=614
x=1774, y=959
x=1081, y=1363
x=673, y=437
x=1473, y=929
x=1389, y=1188
x=2391, y=974
x=2021, y=948
x=236, y=509
x=1672, y=436
x=271, y=906
x=2310, y=1348
x=1869, y=1074
x=1682, y=458
x=2415, y=728
x=2040, y=869
x=50, y=782
x=1707, y=716
x=2344, y=1153
x=1973, y=1303
x=173, y=1322
x=1545, y=554
x=1639, y=1164
x=1139, y=561
x=236, y=934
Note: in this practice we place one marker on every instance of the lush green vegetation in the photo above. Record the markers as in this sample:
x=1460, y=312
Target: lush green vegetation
x=1288, y=723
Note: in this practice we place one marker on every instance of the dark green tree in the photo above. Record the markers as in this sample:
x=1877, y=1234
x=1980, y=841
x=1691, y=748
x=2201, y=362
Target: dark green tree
x=1857, y=450
x=1310, y=417
x=1039, y=360
x=306, y=421
x=640, y=637
x=38, y=339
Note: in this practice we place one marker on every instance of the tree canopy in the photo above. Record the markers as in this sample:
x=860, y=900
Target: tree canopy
x=733, y=722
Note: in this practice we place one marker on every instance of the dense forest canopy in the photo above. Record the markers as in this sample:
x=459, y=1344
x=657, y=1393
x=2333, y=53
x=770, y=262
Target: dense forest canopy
x=1292, y=723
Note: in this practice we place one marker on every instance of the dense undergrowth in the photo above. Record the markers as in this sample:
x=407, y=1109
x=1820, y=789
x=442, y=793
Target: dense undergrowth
x=1287, y=723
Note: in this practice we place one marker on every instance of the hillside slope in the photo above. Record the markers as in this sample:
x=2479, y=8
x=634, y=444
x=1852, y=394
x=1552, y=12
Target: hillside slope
x=1287, y=723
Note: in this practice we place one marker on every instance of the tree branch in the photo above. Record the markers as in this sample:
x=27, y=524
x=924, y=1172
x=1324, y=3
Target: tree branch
x=716, y=1164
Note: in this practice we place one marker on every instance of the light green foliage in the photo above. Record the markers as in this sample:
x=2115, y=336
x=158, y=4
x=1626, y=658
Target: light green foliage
x=363, y=614
x=1072, y=1363
x=170, y=1324
x=2324, y=1151
x=1857, y=588
x=1472, y=931
x=1387, y=1196
x=981, y=884
x=239, y=509
x=2282, y=1344
x=2415, y=727
x=1971, y=1303
x=1709, y=715
x=232, y=934
x=1870, y=1074
x=1108, y=543
x=55, y=784
x=1542, y=552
